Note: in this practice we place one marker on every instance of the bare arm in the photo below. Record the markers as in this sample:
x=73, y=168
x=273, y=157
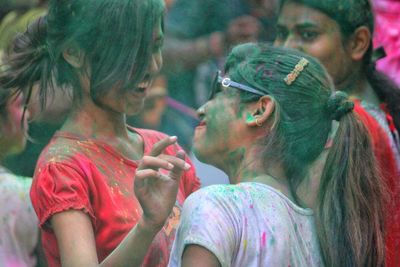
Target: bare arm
x=198, y=256
x=75, y=238
x=76, y=242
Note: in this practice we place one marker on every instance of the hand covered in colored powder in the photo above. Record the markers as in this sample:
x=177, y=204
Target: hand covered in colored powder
x=155, y=189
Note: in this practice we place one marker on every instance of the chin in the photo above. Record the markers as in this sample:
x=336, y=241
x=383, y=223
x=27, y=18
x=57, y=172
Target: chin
x=201, y=155
x=134, y=110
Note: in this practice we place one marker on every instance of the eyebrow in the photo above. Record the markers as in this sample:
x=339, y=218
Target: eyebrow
x=306, y=24
x=302, y=25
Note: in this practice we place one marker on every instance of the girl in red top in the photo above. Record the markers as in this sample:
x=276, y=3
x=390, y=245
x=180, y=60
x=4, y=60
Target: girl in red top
x=102, y=191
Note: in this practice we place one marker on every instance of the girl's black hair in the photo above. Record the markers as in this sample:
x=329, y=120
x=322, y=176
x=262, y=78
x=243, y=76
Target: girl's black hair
x=116, y=37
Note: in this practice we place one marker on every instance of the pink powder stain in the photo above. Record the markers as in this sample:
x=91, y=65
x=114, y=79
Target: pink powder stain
x=263, y=239
x=251, y=206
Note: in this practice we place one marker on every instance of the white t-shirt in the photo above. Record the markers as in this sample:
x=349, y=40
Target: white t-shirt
x=249, y=224
x=19, y=229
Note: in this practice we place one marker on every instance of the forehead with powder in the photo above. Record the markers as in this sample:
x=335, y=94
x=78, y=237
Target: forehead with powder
x=303, y=17
x=349, y=14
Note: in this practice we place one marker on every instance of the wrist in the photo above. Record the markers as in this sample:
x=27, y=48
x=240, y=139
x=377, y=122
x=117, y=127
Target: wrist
x=148, y=227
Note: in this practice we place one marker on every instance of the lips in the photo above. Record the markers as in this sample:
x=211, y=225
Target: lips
x=199, y=131
x=142, y=87
x=202, y=123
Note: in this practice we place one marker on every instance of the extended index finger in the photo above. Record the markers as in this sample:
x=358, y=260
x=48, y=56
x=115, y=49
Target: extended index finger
x=159, y=147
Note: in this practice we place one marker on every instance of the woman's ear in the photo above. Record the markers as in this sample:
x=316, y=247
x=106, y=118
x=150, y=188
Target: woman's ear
x=74, y=56
x=359, y=43
x=264, y=110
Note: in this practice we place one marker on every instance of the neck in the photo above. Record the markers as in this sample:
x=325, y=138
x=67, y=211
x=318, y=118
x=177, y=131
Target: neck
x=353, y=82
x=90, y=120
x=228, y=162
x=367, y=94
x=273, y=176
x=252, y=168
x=357, y=86
x=243, y=163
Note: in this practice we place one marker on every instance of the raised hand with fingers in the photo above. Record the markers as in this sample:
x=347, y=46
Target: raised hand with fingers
x=155, y=190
